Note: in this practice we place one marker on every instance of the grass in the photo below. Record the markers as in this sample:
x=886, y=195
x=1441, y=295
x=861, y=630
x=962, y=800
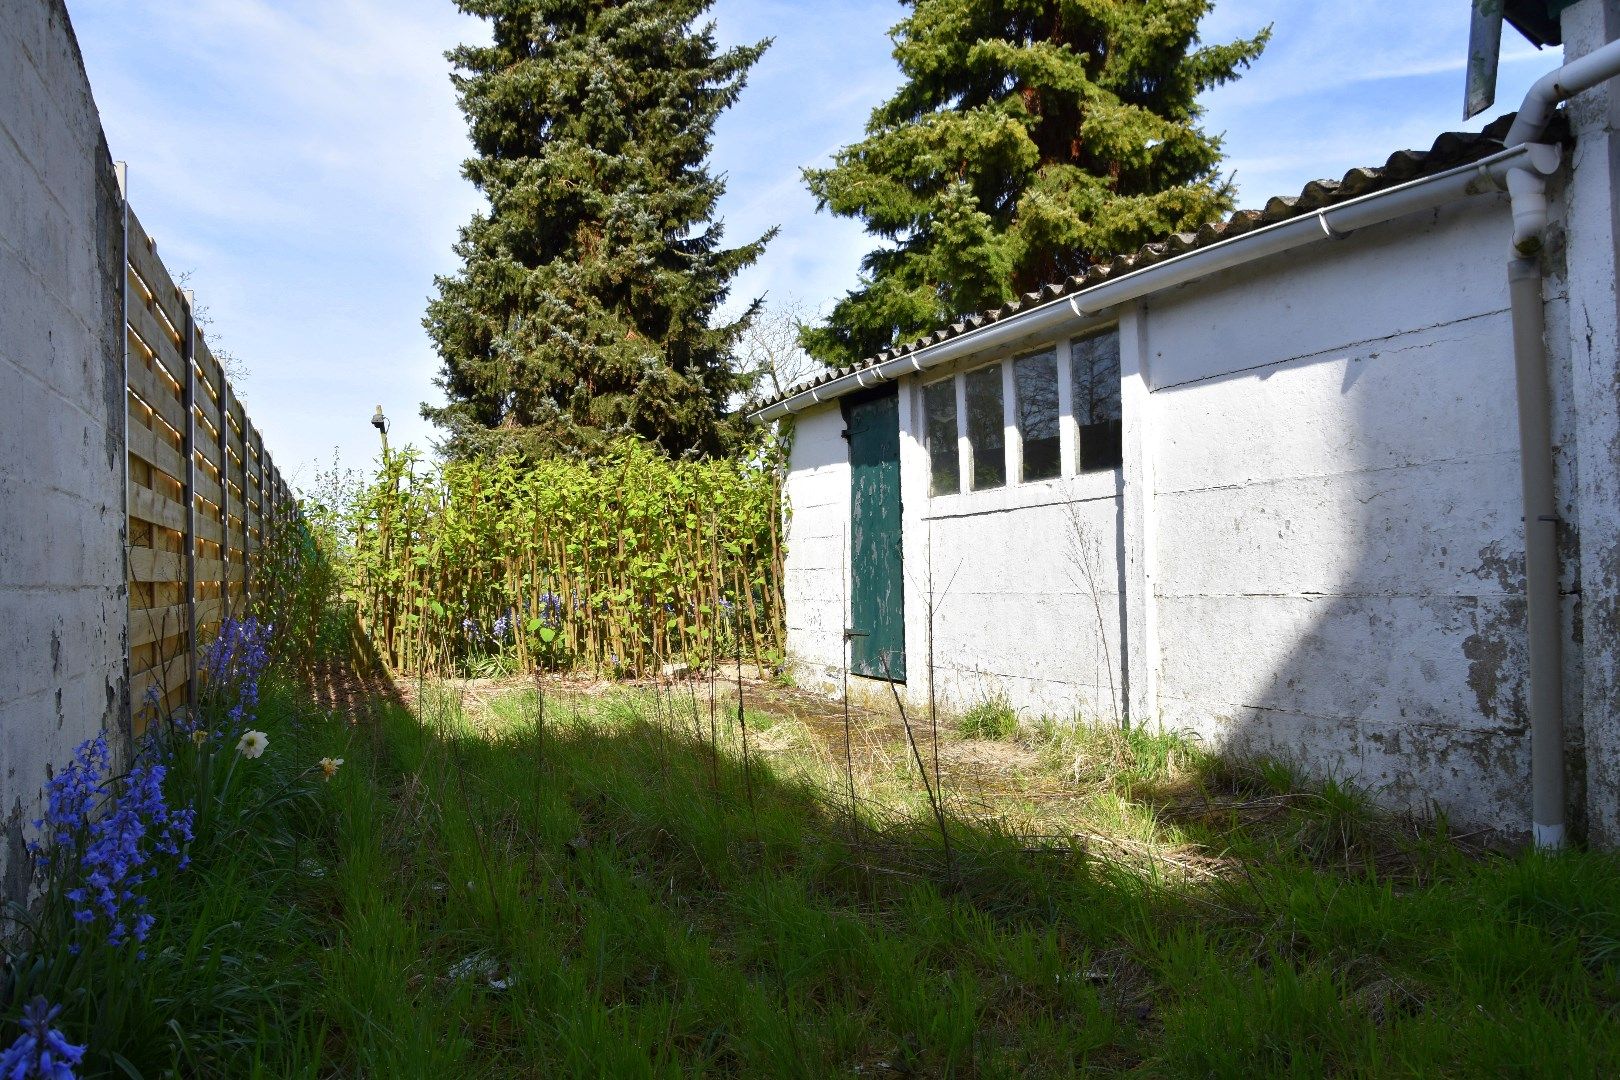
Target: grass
x=601, y=889
x=992, y=718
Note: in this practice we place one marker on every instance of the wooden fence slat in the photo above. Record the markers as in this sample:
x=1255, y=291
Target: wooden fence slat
x=208, y=388
x=158, y=394
x=145, y=444
x=149, y=505
x=208, y=488
x=149, y=625
x=230, y=495
x=208, y=529
x=156, y=335
x=148, y=565
x=144, y=257
x=213, y=377
x=207, y=445
x=175, y=670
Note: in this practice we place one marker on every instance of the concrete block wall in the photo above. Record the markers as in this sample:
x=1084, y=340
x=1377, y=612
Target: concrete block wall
x=1313, y=549
x=815, y=564
x=63, y=605
x=1582, y=265
x=1339, y=548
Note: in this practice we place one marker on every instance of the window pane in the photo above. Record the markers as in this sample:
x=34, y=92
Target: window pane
x=1094, y=365
x=944, y=465
x=1035, y=378
x=986, y=429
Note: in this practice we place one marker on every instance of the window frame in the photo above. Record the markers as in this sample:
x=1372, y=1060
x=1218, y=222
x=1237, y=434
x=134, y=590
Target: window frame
x=1018, y=417
x=1075, y=462
x=961, y=435
x=1069, y=426
x=1008, y=453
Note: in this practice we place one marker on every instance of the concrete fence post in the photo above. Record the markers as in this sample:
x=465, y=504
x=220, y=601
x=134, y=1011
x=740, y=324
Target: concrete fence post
x=121, y=172
x=224, y=497
x=188, y=356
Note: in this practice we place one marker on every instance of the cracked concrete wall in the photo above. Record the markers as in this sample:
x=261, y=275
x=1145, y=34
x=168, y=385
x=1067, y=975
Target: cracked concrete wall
x=1584, y=265
x=1340, y=555
x=1324, y=559
x=63, y=606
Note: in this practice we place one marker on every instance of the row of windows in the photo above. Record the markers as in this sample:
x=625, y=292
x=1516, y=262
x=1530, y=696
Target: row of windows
x=1093, y=393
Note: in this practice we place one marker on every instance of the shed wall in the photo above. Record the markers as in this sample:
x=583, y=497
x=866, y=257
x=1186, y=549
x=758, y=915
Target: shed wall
x=815, y=564
x=1026, y=598
x=1313, y=549
x=1339, y=548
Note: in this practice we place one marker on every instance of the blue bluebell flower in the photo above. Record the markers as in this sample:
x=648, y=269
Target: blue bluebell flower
x=41, y=1050
x=551, y=608
x=114, y=829
x=232, y=667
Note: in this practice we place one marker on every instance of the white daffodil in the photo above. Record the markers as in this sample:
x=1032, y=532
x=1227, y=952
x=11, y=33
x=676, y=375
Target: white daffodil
x=329, y=766
x=252, y=743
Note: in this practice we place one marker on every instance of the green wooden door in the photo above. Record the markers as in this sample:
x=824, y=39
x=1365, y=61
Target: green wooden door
x=877, y=576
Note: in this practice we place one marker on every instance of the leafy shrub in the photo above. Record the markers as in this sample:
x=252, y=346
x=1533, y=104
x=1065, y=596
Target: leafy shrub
x=620, y=564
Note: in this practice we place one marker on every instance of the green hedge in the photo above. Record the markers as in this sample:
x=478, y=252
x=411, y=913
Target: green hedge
x=620, y=564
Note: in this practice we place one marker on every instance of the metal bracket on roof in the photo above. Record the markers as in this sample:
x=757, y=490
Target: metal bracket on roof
x=1327, y=226
x=1488, y=179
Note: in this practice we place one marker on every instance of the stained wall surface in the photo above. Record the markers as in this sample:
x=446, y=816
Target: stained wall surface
x=1312, y=549
x=62, y=528
x=1339, y=560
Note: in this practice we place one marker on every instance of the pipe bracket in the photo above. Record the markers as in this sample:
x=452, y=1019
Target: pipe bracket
x=1327, y=226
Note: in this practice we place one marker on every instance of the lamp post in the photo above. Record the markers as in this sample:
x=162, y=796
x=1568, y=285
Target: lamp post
x=380, y=422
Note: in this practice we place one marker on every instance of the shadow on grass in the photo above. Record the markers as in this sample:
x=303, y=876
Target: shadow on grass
x=347, y=677
x=643, y=902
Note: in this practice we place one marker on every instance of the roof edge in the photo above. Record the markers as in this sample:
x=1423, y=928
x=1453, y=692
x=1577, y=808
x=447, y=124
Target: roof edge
x=1065, y=307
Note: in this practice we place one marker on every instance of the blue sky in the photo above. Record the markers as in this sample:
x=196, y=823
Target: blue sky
x=300, y=158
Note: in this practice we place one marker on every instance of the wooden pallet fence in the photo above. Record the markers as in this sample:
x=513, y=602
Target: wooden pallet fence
x=203, y=494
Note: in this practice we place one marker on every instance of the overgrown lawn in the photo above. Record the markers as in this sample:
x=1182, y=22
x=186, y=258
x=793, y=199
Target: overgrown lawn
x=602, y=890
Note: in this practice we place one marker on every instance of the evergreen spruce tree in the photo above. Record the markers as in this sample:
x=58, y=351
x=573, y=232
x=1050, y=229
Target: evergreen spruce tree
x=1030, y=138
x=585, y=307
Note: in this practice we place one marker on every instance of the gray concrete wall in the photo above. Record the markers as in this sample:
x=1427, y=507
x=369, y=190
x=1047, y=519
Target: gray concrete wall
x=1582, y=264
x=62, y=580
x=1339, y=551
x=1313, y=549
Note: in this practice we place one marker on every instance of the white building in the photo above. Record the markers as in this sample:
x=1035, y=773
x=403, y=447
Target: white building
x=1264, y=484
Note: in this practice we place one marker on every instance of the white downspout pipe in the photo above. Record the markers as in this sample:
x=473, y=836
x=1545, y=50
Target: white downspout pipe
x=1527, y=188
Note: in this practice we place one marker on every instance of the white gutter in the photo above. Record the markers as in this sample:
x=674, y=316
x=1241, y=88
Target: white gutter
x=1487, y=175
x=1528, y=188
